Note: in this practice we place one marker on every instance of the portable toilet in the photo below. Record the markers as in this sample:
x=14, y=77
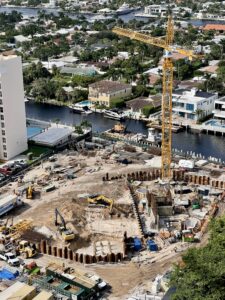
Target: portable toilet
x=152, y=246
x=137, y=244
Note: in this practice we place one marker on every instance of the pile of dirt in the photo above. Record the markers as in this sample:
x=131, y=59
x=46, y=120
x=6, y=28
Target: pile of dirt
x=34, y=236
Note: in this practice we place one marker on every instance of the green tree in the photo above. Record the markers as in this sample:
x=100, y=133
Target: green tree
x=202, y=274
x=216, y=51
x=31, y=29
x=61, y=95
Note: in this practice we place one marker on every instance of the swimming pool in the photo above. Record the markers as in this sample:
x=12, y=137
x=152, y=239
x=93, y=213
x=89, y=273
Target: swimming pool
x=215, y=123
x=84, y=103
x=32, y=131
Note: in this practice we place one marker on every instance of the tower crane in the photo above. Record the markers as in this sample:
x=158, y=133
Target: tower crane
x=167, y=86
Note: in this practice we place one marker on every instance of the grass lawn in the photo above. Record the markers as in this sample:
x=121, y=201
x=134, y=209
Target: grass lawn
x=36, y=150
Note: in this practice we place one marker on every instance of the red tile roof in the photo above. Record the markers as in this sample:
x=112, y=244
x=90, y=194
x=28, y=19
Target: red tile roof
x=218, y=27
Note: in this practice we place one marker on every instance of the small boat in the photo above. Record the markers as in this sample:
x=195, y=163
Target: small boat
x=110, y=114
x=154, y=136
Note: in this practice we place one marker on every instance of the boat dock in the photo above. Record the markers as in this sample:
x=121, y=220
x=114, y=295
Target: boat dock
x=175, y=128
x=208, y=129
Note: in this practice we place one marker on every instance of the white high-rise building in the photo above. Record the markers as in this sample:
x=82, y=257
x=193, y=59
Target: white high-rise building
x=13, y=132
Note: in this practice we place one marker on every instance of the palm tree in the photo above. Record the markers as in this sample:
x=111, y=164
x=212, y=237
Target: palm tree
x=199, y=113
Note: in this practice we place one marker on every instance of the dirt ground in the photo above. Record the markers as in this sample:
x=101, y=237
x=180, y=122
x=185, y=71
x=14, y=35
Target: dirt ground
x=70, y=198
x=70, y=195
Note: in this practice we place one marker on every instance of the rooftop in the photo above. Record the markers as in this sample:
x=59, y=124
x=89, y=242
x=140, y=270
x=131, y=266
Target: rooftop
x=219, y=27
x=108, y=86
x=141, y=102
x=209, y=69
x=52, y=136
x=193, y=92
x=86, y=71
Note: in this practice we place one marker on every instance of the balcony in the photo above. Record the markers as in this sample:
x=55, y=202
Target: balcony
x=219, y=114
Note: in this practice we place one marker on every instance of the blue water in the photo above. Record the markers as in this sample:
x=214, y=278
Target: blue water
x=84, y=103
x=207, y=145
x=32, y=131
x=215, y=123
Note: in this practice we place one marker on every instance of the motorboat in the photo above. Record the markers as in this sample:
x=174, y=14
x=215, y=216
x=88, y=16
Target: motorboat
x=115, y=115
x=80, y=109
x=124, y=9
x=154, y=136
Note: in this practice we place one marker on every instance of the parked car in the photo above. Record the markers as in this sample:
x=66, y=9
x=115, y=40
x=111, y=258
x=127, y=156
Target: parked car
x=10, y=258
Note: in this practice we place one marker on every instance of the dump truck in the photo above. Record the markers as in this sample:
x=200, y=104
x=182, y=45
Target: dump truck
x=8, y=203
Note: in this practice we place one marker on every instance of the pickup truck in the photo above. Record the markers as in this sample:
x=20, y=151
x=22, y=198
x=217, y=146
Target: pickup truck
x=10, y=258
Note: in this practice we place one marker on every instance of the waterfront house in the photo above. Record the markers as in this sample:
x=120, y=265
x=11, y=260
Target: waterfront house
x=193, y=104
x=105, y=91
x=219, y=110
x=137, y=104
x=156, y=10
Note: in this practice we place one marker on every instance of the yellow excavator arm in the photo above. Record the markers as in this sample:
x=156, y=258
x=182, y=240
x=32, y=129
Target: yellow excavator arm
x=101, y=200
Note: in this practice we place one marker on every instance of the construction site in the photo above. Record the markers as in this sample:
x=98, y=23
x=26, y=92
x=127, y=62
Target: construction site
x=102, y=222
x=89, y=210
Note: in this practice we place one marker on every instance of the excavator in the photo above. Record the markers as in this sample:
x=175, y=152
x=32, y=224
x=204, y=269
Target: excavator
x=4, y=227
x=67, y=234
x=101, y=200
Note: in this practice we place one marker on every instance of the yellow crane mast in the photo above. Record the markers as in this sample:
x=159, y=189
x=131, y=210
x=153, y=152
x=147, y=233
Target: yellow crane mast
x=167, y=84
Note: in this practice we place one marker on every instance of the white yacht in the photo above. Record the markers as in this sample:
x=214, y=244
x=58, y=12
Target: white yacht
x=113, y=115
x=76, y=108
x=124, y=9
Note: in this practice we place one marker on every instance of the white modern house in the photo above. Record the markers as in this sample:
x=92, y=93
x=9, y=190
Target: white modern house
x=219, y=111
x=13, y=132
x=193, y=104
x=156, y=10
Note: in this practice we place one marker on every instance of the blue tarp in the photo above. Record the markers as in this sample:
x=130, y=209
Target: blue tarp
x=6, y=274
x=137, y=244
x=152, y=245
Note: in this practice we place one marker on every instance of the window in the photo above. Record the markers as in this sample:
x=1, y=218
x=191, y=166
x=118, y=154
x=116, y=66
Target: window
x=3, y=124
x=3, y=132
x=190, y=107
x=1, y=109
x=0, y=94
x=4, y=147
x=0, y=101
x=2, y=117
x=4, y=140
x=190, y=116
x=5, y=154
